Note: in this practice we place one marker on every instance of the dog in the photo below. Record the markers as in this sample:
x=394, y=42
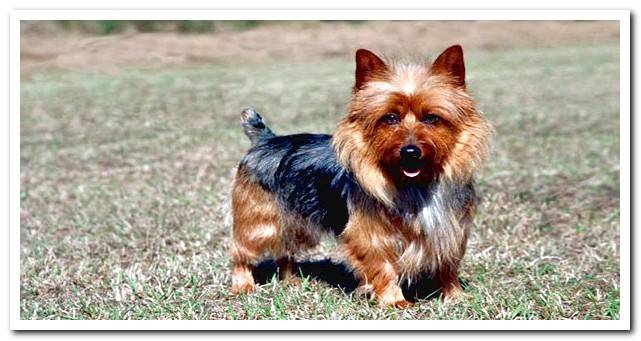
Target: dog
x=395, y=182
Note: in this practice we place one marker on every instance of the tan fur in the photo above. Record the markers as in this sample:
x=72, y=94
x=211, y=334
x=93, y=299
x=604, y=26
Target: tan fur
x=260, y=226
x=353, y=152
x=470, y=151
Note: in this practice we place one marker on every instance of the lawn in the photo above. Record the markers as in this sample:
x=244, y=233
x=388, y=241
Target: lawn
x=125, y=177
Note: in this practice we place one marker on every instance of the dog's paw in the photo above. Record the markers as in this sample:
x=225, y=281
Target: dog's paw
x=455, y=296
x=243, y=288
x=293, y=280
x=400, y=304
x=403, y=304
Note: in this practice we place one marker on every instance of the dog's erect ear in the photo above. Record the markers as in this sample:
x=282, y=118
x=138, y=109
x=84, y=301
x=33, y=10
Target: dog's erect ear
x=450, y=63
x=368, y=66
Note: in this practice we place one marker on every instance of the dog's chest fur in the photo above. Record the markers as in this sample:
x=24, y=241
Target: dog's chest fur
x=432, y=229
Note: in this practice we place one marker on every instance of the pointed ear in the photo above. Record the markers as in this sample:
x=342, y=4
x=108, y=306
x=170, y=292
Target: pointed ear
x=450, y=63
x=368, y=66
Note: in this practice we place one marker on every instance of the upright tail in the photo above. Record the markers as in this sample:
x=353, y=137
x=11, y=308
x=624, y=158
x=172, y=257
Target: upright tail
x=254, y=126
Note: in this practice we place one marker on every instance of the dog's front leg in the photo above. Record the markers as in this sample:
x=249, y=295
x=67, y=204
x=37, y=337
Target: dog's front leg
x=370, y=252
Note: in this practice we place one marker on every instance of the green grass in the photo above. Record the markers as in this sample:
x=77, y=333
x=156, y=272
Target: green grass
x=125, y=178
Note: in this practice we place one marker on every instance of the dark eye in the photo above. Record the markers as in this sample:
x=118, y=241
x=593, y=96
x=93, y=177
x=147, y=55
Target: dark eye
x=391, y=118
x=430, y=118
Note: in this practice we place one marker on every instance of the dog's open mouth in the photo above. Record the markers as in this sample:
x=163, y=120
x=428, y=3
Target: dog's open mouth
x=411, y=173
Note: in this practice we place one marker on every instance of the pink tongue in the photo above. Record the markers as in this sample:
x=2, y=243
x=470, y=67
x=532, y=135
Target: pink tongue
x=411, y=174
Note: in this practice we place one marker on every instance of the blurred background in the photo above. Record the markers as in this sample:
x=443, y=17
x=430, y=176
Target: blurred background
x=107, y=45
x=130, y=135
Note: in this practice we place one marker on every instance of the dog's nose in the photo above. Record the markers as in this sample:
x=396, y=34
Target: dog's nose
x=411, y=152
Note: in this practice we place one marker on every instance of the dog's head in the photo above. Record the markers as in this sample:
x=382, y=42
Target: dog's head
x=411, y=123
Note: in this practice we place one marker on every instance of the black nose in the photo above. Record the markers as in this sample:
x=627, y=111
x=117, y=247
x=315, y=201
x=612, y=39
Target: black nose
x=411, y=152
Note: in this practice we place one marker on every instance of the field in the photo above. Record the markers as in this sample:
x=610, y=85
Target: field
x=125, y=172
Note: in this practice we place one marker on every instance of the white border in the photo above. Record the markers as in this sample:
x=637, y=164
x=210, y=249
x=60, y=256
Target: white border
x=321, y=14
x=625, y=115
x=623, y=16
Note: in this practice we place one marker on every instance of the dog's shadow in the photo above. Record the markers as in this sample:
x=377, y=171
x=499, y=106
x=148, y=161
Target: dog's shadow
x=338, y=275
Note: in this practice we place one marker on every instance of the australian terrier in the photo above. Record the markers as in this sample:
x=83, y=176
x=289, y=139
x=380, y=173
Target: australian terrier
x=394, y=183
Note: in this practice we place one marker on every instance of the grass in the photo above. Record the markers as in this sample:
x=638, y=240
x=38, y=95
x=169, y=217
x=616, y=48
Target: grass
x=125, y=177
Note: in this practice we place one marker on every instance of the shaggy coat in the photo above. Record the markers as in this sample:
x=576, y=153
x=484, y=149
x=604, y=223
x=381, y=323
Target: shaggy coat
x=396, y=219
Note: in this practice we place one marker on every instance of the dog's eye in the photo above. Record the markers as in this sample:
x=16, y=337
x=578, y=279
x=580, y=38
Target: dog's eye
x=430, y=118
x=391, y=118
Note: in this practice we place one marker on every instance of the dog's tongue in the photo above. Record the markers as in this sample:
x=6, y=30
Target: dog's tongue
x=411, y=174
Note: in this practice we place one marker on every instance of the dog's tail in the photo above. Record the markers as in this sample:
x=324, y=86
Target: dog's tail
x=254, y=126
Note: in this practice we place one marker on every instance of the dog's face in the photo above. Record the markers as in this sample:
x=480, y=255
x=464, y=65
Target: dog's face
x=410, y=124
x=411, y=116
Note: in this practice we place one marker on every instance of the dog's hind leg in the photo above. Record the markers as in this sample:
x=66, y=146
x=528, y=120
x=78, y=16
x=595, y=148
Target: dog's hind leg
x=256, y=230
